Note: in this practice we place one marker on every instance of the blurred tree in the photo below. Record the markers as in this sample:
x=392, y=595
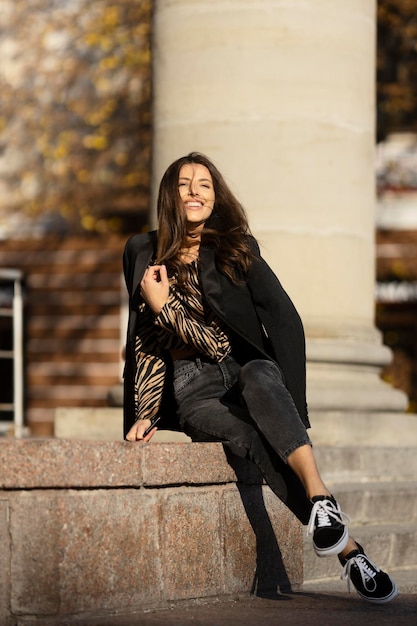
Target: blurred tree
x=396, y=67
x=75, y=116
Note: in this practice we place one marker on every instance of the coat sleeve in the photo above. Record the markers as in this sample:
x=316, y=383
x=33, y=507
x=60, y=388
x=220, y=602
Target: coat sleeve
x=136, y=245
x=129, y=263
x=283, y=327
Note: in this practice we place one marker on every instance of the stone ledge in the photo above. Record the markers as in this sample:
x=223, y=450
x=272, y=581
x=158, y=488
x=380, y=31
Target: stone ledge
x=103, y=528
x=50, y=463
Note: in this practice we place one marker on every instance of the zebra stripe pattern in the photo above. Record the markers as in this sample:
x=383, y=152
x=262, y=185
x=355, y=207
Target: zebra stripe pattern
x=182, y=324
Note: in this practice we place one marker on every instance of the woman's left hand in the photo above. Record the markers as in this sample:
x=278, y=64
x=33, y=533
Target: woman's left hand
x=137, y=431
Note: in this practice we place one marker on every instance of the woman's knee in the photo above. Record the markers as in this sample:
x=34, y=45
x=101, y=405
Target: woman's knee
x=260, y=371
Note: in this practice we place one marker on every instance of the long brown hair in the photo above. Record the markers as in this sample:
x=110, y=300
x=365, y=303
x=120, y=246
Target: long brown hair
x=226, y=230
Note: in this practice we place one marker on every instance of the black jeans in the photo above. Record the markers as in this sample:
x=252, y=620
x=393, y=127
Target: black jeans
x=250, y=410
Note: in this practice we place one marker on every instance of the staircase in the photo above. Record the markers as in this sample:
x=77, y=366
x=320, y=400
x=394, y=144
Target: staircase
x=377, y=487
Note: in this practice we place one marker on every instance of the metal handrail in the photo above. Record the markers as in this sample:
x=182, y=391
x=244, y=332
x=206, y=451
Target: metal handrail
x=16, y=276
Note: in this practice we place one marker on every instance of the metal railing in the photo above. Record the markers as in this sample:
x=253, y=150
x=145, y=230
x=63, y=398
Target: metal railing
x=14, y=310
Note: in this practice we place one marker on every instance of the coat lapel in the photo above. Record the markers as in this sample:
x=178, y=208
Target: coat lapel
x=209, y=275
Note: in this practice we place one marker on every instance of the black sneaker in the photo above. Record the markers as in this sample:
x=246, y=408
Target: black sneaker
x=370, y=582
x=328, y=526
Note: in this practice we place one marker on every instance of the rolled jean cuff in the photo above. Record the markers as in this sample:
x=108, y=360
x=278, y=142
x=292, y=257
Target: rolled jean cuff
x=303, y=442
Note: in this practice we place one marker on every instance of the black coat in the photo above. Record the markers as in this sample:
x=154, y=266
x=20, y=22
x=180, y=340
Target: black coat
x=262, y=320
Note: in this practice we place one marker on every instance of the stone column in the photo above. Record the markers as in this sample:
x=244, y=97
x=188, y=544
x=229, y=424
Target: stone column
x=281, y=96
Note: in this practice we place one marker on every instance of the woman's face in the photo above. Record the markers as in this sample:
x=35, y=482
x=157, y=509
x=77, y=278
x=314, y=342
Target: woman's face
x=196, y=190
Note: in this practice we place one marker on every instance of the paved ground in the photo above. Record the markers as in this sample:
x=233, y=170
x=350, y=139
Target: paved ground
x=302, y=608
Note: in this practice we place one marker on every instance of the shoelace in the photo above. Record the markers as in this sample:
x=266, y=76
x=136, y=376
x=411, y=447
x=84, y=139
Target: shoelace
x=324, y=510
x=367, y=570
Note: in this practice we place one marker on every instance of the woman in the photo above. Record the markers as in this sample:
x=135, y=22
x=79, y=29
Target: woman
x=216, y=348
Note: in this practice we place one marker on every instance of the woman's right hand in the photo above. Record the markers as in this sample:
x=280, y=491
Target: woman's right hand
x=154, y=287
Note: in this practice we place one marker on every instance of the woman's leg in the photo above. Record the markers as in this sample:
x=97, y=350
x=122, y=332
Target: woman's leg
x=303, y=463
x=208, y=415
x=273, y=410
x=207, y=396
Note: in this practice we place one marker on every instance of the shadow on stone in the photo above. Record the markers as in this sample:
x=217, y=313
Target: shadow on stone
x=271, y=579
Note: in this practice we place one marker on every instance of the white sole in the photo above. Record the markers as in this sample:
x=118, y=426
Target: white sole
x=333, y=550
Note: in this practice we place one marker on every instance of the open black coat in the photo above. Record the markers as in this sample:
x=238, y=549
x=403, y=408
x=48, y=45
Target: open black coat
x=261, y=318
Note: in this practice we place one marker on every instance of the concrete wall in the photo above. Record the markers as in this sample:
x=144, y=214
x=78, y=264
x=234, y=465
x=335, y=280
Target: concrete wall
x=281, y=96
x=94, y=529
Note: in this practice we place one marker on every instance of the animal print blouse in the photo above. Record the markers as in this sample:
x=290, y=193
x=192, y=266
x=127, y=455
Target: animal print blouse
x=183, y=323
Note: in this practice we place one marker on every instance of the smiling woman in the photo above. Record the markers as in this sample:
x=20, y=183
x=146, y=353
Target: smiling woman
x=197, y=193
x=216, y=345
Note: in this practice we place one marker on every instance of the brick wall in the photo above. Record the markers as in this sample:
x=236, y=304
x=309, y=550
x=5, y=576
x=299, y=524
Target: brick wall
x=73, y=324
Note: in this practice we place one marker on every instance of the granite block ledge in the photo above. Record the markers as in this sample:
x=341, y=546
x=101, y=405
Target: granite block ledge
x=72, y=520
x=52, y=463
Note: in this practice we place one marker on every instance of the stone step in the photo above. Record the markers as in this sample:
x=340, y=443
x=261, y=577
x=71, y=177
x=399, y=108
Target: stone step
x=405, y=579
x=361, y=429
x=377, y=502
x=390, y=546
x=364, y=464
